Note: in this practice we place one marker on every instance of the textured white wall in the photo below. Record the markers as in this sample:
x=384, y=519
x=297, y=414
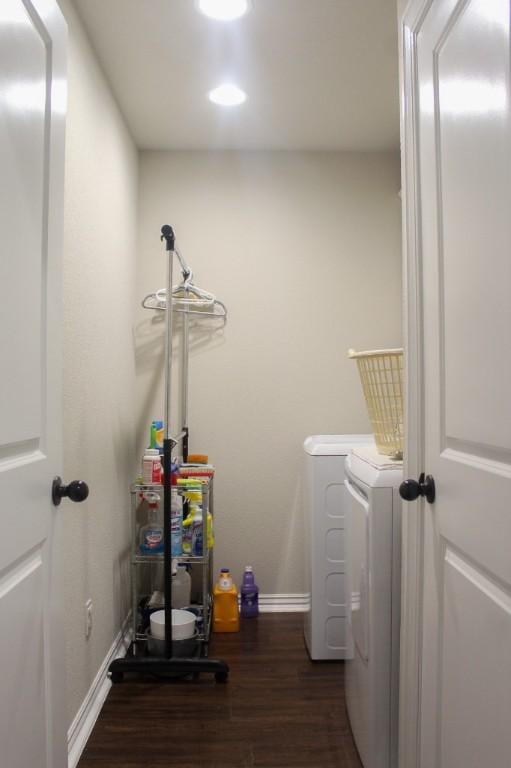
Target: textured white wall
x=99, y=274
x=304, y=248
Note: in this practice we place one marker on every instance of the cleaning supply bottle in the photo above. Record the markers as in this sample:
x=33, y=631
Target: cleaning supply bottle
x=197, y=526
x=226, y=616
x=151, y=534
x=187, y=536
x=185, y=485
x=249, y=592
x=209, y=529
x=157, y=435
x=193, y=543
x=151, y=466
x=181, y=587
x=195, y=484
x=176, y=518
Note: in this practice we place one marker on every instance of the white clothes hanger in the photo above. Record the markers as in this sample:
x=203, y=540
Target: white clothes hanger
x=187, y=297
x=189, y=306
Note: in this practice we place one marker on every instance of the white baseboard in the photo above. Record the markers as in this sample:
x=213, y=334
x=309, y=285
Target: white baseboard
x=81, y=727
x=292, y=603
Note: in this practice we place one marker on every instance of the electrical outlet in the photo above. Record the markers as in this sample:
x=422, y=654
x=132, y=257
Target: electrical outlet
x=89, y=608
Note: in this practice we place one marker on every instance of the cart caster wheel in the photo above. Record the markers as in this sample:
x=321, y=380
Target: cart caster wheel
x=221, y=677
x=116, y=677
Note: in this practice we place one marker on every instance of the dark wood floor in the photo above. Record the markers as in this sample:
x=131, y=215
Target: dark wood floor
x=278, y=710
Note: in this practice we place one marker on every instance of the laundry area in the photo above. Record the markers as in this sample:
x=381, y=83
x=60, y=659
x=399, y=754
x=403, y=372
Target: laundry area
x=255, y=454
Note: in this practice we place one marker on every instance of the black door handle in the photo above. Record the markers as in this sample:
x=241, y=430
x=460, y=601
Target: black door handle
x=77, y=490
x=409, y=490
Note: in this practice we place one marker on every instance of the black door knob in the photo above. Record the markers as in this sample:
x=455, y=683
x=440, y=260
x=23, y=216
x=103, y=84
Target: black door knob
x=77, y=490
x=409, y=490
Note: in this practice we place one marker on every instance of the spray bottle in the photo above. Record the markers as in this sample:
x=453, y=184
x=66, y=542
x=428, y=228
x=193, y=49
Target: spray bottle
x=151, y=534
x=176, y=516
x=193, y=543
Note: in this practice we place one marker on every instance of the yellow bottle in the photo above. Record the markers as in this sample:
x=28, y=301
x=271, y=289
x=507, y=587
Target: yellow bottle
x=226, y=615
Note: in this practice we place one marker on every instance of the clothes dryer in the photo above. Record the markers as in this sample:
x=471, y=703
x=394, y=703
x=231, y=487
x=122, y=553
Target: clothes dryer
x=325, y=507
x=373, y=569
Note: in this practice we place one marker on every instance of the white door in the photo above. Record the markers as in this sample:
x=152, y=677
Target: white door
x=32, y=112
x=458, y=189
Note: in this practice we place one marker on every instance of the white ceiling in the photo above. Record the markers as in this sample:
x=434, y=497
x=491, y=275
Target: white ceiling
x=319, y=74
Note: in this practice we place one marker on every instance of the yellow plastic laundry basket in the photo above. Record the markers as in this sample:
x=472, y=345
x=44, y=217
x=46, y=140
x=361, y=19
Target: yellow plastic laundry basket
x=381, y=373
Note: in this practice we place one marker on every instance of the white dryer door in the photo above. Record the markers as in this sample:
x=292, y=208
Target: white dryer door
x=358, y=568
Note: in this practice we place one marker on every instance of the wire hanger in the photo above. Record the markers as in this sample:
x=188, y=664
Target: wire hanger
x=158, y=301
x=187, y=298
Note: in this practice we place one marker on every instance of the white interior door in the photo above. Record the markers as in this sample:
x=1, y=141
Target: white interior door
x=32, y=112
x=458, y=155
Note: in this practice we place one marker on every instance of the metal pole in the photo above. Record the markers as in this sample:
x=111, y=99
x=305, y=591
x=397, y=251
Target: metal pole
x=185, y=354
x=206, y=555
x=167, y=234
x=185, y=269
x=185, y=361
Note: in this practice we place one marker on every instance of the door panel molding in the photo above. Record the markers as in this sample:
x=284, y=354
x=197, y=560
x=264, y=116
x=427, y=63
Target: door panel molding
x=462, y=741
x=451, y=23
x=20, y=570
x=500, y=594
x=19, y=454
x=466, y=362
x=487, y=457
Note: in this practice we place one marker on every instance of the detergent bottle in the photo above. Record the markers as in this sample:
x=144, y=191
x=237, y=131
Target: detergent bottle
x=249, y=592
x=226, y=616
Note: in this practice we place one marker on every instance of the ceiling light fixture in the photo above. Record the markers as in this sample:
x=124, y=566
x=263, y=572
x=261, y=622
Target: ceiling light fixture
x=227, y=95
x=224, y=10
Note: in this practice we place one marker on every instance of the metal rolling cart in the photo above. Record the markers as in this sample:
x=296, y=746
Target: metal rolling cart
x=142, y=589
x=189, y=299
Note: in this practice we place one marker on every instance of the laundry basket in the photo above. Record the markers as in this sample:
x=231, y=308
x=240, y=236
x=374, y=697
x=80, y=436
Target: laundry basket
x=381, y=373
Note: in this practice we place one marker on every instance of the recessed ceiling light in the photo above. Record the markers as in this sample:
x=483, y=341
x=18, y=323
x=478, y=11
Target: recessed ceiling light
x=225, y=10
x=227, y=95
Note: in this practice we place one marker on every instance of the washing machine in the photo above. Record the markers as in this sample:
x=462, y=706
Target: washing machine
x=325, y=508
x=374, y=584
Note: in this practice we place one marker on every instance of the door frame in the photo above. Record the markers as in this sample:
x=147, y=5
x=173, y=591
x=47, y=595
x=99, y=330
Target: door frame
x=410, y=25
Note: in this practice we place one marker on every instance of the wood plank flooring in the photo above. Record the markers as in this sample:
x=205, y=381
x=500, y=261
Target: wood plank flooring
x=278, y=710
